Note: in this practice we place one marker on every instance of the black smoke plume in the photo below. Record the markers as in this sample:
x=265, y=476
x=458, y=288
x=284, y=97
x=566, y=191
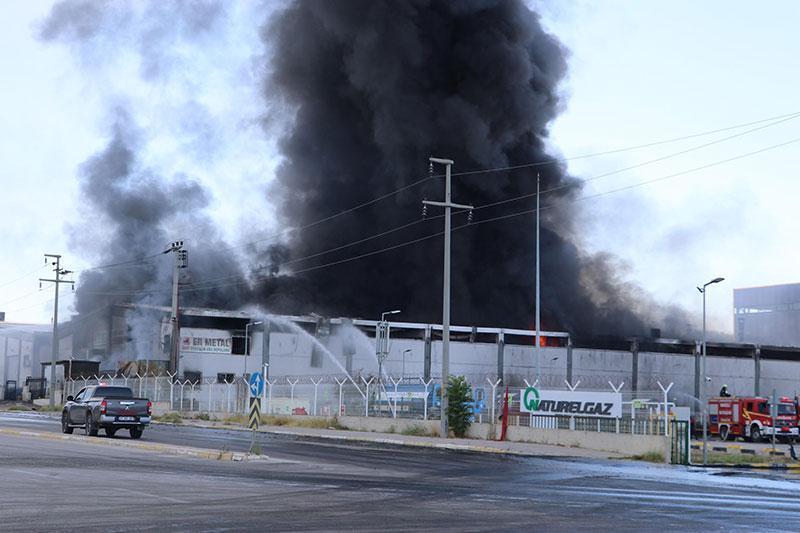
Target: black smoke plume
x=129, y=214
x=375, y=87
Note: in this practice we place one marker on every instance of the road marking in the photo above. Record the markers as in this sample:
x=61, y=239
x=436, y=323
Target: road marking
x=32, y=473
x=736, y=503
x=156, y=496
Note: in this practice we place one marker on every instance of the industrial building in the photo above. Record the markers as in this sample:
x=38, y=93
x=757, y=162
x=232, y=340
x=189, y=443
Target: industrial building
x=767, y=315
x=23, y=347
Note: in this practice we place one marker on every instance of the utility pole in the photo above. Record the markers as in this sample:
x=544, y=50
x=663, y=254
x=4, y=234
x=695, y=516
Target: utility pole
x=56, y=261
x=448, y=205
x=181, y=261
x=538, y=295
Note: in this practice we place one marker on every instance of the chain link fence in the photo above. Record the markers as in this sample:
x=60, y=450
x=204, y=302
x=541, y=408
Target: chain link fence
x=395, y=397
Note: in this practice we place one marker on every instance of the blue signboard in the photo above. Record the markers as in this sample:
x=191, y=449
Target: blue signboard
x=256, y=384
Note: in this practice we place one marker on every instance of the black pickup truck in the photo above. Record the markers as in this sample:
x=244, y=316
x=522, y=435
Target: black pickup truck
x=108, y=408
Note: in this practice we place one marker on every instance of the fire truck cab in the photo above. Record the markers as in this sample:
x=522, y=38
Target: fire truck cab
x=750, y=418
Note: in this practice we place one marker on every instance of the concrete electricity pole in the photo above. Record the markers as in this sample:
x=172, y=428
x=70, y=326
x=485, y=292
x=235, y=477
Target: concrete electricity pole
x=538, y=295
x=54, y=351
x=703, y=389
x=448, y=205
x=181, y=261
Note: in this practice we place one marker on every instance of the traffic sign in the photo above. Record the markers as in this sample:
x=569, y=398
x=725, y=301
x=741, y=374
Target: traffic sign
x=255, y=413
x=256, y=384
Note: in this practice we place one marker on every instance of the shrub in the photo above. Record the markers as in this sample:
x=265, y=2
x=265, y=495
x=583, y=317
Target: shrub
x=417, y=430
x=172, y=418
x=459, y=397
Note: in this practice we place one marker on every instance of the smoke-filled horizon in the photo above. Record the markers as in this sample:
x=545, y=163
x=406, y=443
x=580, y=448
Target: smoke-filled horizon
x=368, y=91
x=375, y=88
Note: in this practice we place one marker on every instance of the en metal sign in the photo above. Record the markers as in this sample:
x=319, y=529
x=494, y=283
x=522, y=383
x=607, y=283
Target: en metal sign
x=571, y=403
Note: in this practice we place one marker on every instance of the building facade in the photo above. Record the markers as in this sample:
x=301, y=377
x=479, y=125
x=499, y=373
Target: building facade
x=768, y=315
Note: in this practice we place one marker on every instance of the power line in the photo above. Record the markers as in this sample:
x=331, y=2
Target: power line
x=530, y=195
x=778, y=120
x=23, y=276
x=502, y=217
x=771, y=122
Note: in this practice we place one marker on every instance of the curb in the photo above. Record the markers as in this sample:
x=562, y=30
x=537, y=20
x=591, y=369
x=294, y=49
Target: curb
x=399, y=442
x=216, y=455
x=379, y=440
x=752, y=466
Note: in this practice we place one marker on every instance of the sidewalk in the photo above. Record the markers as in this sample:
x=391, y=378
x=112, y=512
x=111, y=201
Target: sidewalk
x=469, y=445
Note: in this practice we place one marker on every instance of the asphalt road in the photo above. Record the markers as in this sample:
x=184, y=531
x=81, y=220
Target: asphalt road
x=53, y=485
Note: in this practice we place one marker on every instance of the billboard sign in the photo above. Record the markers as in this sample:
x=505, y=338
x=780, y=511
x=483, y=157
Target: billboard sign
x=206, y=340
x=571, y=403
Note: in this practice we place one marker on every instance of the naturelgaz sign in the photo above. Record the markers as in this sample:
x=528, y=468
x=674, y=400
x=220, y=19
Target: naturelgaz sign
x=571, y=403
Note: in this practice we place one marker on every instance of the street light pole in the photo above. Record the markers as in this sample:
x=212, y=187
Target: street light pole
x=382, y=346
x=407, y=350
x=448, y=205
x=247, y=343
x=703, y=389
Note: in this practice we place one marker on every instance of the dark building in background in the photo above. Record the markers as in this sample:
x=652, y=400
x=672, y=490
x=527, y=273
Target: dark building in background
x=768, y=315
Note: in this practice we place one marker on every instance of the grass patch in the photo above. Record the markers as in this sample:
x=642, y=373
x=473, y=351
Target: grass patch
x=202, y=416
x=47, y=408
x=418, y=430
x=736, y=458
x=172, y=418
x=235, y=420
x=18, y=408
x=650, y=457
x=301, y=422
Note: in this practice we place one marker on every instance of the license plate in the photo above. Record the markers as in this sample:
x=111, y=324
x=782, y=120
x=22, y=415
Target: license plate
x=126, y=418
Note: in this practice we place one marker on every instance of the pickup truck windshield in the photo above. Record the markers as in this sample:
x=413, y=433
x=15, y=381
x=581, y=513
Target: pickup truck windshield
x=113, y=393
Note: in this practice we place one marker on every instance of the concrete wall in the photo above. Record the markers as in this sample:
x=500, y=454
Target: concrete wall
x=608, y=442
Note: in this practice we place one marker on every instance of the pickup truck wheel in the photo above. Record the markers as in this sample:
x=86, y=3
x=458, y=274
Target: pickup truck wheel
x=110, y=432
x=91, y=429
x=65, y=424
x=136, y=432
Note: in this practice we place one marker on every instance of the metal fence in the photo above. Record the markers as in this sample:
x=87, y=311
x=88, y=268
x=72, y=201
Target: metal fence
x=396, y=397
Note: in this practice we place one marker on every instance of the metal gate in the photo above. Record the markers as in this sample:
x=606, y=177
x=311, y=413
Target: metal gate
x=679, y=442
x=36, y=386
x=11, y=390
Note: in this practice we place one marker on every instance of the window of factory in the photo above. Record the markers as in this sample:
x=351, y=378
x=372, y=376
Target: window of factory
x=225, y=378
x=316, y=358
x=192, y=377
x=238, y=345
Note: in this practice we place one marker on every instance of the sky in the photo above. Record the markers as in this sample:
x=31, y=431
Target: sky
x=639, y=72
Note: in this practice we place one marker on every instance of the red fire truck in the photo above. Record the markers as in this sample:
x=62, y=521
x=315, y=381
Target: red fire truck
x=750, y=418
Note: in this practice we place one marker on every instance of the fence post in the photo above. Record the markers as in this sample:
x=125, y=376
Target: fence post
x=171, y=389
x=425, y=403
x=228, y=395
x=530, y=415
x=395, y=383
x=316, y=384
x=666, y=415
x=366, y=396
x=291, y=397
x=192, y=399
x=341, y=384
x=268, y=406
x=572, y=389
x=616, y=389
x=494, y=385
